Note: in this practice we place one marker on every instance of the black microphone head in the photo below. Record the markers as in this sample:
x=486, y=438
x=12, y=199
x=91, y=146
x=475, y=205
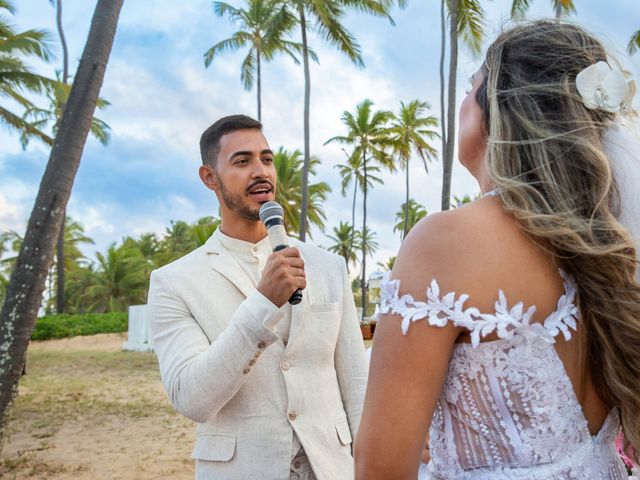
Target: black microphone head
x=271, y=212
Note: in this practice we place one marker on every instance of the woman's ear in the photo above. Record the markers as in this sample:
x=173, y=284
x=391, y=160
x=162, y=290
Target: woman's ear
x=208, y=177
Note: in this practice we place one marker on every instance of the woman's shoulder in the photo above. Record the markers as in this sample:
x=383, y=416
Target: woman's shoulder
x=461, y=235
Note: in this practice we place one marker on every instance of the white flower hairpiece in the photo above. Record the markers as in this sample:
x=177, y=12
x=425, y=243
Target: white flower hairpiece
x=602, y=87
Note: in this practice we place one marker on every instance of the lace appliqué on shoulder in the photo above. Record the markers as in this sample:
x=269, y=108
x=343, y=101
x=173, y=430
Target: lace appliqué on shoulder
x=505, y=321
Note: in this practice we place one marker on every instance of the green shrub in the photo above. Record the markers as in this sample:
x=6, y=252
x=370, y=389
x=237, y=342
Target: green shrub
x=61, y=326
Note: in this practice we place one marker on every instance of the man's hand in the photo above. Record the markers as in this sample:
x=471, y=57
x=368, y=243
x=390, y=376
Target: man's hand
x=282, y=275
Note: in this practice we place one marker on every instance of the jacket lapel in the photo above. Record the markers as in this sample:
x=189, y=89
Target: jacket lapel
x=224, y=263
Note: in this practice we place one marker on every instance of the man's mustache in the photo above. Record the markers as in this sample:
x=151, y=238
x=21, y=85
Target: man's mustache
x=259, y=182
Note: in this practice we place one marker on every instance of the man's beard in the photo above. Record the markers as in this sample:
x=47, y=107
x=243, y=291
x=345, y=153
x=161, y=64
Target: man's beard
x=236, y=203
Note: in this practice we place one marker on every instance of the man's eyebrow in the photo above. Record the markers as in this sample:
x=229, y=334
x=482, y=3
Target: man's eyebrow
x=248, y=153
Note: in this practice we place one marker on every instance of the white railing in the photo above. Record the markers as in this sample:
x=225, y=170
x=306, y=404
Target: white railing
x=138, y=333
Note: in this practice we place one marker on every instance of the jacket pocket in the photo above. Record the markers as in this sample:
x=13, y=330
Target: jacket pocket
x=344, y=434
x=218, y=447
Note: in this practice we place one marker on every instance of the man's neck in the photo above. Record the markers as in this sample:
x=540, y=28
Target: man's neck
x=246, y=230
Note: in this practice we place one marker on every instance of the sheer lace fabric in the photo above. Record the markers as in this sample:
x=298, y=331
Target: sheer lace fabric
x=508, y=409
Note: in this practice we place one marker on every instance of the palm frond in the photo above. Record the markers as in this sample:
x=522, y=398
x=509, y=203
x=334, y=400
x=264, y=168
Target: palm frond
x=634, y=43
x=14, y=122
x=471, y=24
x=237, y=41
x=519, y=8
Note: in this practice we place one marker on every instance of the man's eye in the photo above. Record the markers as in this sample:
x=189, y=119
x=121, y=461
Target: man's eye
x=267, y=159
x=241, y=161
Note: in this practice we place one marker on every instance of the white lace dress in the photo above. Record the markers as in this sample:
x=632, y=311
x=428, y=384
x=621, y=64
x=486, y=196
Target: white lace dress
x=508, y=409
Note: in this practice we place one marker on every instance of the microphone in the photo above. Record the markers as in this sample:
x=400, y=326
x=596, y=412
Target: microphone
x=272, y=215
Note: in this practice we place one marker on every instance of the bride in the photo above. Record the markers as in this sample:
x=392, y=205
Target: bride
x=510, y=328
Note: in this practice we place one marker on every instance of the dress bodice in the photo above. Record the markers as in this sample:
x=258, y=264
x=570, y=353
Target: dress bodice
x=508, y=409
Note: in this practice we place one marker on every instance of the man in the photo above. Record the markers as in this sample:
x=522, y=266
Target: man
x=277, y=389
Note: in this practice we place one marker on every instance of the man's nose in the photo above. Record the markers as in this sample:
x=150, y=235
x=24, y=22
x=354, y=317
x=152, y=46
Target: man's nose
x=259, y=170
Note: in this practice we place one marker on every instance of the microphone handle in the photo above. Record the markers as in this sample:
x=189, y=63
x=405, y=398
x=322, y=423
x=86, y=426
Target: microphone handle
x=296, y=297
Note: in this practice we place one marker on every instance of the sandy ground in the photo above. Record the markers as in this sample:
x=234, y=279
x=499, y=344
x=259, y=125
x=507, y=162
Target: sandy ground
x=87, y=410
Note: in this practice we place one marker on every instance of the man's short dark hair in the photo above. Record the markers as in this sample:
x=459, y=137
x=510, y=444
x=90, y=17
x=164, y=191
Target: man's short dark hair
x=210, y=139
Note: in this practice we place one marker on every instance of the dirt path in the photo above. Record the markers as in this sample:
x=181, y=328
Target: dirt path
x=87, y=410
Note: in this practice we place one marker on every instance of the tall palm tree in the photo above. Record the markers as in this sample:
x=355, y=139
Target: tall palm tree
x=368, y=133
x=466, y=22
x=343, y=245
x=634, y=43
x=289, y=174
x=561, y=7
x=49, y=118
x=352, y=172
x=411, y=130
x=326, y=17
x=16, y=77
x=263, y=26
x=27, y=282
x=409, y=214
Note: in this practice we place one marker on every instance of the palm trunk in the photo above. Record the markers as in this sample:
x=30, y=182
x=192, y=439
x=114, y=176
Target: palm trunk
x=443, y=112
x=363, y=282
x=259, y=86
x=405, y=230
x=60, y=293
x=307, y=154
x=353, y=219
x=558, y=10
x=24, y=292
x=451, y=104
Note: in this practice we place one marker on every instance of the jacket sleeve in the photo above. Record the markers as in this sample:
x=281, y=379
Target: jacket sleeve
x=200, y=375
x=351, y=362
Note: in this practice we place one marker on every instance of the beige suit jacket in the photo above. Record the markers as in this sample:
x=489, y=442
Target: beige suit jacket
x=223, y=368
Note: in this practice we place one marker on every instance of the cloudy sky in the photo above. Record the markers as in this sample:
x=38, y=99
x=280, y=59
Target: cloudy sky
x=163, y=98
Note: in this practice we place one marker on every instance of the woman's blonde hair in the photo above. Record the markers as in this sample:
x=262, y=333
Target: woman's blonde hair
x=545, y=155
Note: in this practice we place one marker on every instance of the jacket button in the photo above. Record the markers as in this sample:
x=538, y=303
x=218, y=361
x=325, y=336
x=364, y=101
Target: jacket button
x=246, y=370
x=261, y=345
x=292, y=416
x=285, y=365
x=252, y=362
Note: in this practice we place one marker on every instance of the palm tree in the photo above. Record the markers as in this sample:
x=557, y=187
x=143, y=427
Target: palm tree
x=368, y=133
x=119, y=281
x=388, y=265
x=466, y=21
x=289, y=174
x=410, y=213
x=16, y=78
x=352, y=172
x=203, y=228
x=460, y=201
x=27, y=282
x=343, y=236
x=327, y=16
x=45, y=118
x=561, y=7
x=410, y=131
x=634, y=43
x=262, y=26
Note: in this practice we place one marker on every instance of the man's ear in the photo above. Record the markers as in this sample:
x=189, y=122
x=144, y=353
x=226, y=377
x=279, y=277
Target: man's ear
x=208, y=177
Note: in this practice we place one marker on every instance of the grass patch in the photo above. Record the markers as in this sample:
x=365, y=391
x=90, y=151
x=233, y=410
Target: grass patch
x=61, y=386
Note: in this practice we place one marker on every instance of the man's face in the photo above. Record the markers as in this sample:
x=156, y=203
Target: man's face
x=245, y=174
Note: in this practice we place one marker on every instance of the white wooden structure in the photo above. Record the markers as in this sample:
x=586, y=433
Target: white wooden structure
x=138, y=333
